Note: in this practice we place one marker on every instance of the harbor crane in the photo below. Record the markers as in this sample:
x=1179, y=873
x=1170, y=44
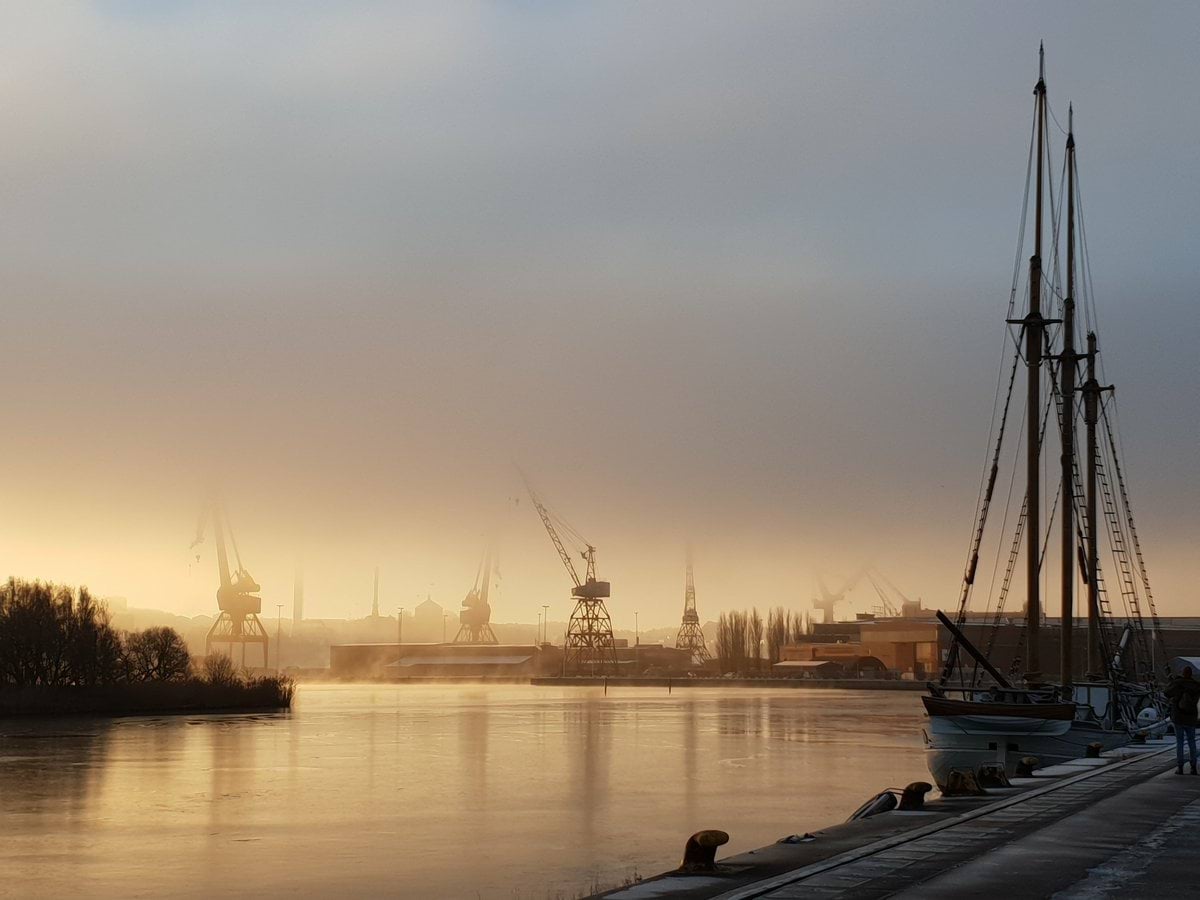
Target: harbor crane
x=589, y=645
x=829, y=599
x=237, y=595
x=475, y=618
x=690, y=636
x=888, y=594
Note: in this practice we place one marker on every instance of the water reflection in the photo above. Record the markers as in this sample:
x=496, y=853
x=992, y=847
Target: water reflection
x=432, y=792
x=473, y=725
x=52, y=771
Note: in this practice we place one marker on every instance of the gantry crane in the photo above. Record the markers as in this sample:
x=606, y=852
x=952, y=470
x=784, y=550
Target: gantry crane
x=589, y=645
x=476, y=615
x=886, y=590
x=690, y=637
x=829, y=599
x=237, y=596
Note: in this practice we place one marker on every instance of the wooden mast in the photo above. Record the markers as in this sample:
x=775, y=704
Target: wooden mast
x=1033, y=361
x=1091, y=402
x=1066, y=369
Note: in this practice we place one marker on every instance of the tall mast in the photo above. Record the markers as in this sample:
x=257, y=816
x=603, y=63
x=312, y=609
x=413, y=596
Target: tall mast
x=1066, y=369
x=1091, y=415
x=1033, y=361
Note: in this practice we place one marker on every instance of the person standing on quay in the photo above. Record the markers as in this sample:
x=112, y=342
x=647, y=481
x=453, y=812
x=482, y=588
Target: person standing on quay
x=1184, y=694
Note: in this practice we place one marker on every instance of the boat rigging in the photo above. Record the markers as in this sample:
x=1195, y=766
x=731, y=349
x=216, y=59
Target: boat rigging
x=1109, y=697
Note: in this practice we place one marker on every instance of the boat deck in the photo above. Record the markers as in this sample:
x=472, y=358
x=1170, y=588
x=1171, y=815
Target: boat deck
x=1081, y=828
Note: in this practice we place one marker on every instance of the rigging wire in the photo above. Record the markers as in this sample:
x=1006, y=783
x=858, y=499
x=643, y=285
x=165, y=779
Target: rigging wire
x=982, y=502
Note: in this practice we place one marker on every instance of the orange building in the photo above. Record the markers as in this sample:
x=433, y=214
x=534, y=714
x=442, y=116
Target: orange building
x=906, y=648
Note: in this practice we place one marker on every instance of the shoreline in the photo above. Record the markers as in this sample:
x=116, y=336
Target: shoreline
x=179, y=698
x=853, y=684
x=845, y=684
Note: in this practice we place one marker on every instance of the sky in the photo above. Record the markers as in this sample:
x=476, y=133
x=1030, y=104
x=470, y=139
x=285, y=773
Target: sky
x=726, y=274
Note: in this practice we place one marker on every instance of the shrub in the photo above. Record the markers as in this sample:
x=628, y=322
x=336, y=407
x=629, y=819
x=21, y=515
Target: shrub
x=219, y=670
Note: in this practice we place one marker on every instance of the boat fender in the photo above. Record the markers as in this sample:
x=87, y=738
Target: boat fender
x=993, y=776
x=1026, y=766
x=1093, y=750
x=884, y=801
x=700, y=851
x=963, y=783
x=913, y=796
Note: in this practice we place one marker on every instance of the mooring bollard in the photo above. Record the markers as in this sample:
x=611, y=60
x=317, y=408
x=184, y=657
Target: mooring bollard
x=700, y=851
x=913, y=796
x=1093, y=750
x=962, y=783
x=993, y=776
x=1026, y=766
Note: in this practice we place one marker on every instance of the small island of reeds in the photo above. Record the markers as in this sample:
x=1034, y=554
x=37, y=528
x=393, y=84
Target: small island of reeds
x=59, y=655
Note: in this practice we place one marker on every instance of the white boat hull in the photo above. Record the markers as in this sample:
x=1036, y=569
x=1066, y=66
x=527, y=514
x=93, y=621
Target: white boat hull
x=951, y=745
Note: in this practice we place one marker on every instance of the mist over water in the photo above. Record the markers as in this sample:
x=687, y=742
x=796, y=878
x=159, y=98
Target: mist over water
x=436, y=792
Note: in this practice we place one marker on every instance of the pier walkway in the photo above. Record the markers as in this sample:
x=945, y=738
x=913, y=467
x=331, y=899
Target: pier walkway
x=1090, y=829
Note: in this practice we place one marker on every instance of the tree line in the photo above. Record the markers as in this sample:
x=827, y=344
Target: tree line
x=747, y=644
x=53, y=636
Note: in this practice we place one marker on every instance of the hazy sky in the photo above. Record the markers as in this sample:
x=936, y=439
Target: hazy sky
x=734, y=273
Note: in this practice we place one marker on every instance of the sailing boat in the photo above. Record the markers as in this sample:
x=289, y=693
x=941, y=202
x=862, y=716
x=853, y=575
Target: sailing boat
x=978, y=715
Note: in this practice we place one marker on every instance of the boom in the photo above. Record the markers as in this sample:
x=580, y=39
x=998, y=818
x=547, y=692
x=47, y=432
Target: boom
x=558, y=544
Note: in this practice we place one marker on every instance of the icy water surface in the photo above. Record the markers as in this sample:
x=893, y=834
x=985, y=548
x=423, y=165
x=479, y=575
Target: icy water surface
x=434, y=791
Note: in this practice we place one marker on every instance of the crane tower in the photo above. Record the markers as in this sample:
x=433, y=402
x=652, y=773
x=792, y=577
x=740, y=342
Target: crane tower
x=690, y=637
x=475, y=618
x=589, y=647
x=237, y=595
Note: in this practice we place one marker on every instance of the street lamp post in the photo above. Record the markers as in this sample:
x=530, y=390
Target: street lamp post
x=445, y=616
x=399, y=638
x=278, y=637
x=539, y=627
x=545, y=623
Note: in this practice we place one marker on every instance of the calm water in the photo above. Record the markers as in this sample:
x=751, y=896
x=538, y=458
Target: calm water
x=434, y=791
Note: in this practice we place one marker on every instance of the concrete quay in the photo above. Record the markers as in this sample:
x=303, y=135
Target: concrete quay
x=1124, y=824
x=683, y=682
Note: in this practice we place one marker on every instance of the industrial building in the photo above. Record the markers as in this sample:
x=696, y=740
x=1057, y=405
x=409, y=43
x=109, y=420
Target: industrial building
x=915, y=646
x=449, y=660
x=390, y=660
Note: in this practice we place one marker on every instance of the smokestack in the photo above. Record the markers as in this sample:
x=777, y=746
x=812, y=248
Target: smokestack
x=298, y=594
x=375, y=602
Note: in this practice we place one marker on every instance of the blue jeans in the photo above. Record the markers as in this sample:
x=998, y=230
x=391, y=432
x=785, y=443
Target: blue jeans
x=1180, y=731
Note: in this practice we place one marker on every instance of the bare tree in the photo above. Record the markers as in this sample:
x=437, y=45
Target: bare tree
x=157, y=654
x=754, y=639
x=796, y=627
x=52, y=636
x=777, y=632
x=731, y=641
